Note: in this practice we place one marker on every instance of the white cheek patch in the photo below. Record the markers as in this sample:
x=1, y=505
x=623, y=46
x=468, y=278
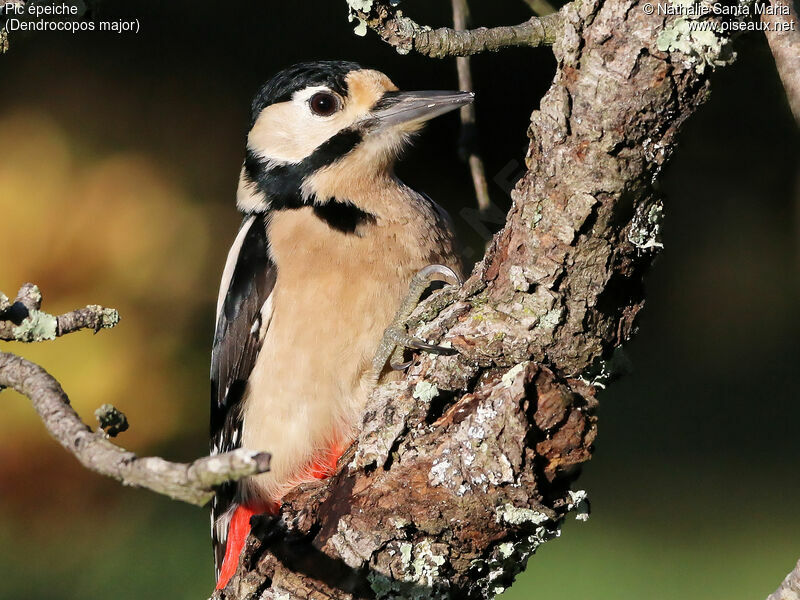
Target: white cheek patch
x=287, y=132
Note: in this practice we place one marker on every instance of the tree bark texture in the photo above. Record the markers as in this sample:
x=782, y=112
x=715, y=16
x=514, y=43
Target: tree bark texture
x=464, y=467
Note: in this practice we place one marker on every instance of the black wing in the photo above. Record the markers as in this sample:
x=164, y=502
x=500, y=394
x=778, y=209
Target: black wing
x=247, y=283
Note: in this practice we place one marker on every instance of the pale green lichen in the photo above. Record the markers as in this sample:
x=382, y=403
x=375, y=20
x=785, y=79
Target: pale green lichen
x=551, y=318
x=519, y=516
x=701, y=47
x=420, y=564
x=425, y=391
x=109, y=317
x=510, y=375
x=506, y=549
x=38, y=326
x=496, y=573
x=426, y=564
x=579, y=503
x=645, y=230
x=386, y=588
x=35, y=294
x=363, y=6
x=405, y=554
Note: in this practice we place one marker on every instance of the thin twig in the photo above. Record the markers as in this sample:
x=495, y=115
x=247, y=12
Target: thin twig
x=406, y=34
x=789, y=588
x=469, y=132
x=783, y=35
x=23, y=321
x=29, y=296
x=93, y=317
x=190, y=482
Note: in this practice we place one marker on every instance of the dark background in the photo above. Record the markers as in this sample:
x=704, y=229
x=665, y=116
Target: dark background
x=119, y=157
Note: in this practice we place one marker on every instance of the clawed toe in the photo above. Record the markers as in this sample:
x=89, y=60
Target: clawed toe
x=395, y=338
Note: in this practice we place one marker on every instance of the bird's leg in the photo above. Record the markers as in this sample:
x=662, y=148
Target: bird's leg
x=396, y=338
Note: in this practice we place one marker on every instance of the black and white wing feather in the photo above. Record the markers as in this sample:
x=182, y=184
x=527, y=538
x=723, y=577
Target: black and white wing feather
x=243, y=313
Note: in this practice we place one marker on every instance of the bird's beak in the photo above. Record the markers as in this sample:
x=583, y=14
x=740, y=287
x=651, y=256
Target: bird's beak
x=396, y=108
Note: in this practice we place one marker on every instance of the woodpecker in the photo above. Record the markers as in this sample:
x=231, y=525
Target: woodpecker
x=316, y=283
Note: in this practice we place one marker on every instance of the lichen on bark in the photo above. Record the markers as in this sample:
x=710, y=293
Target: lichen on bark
x=447, y=494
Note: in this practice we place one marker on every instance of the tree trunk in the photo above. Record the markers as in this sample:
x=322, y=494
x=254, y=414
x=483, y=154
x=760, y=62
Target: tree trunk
x=464, y=467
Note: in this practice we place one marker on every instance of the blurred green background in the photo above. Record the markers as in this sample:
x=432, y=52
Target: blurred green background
x=119, y=157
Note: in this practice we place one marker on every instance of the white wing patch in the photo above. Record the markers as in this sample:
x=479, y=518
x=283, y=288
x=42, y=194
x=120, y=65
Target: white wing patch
x=230, y=263
x=266, y=317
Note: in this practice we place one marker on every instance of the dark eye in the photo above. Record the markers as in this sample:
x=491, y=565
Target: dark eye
x=324, y=104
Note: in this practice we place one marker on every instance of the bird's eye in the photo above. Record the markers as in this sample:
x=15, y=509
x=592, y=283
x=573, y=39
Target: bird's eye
x=324, y=104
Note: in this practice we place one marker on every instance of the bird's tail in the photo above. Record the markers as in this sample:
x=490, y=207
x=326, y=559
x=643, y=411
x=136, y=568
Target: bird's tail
x=239, y=528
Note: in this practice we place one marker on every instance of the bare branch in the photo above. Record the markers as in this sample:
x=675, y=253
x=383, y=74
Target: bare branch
x=783, y=35
x=469, y=133
x=789, y=588
x=93, y=317
x=190, y=482
x=406, y=34
x=22, y=321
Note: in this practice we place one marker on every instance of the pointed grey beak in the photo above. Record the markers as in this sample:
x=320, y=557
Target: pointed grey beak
x=416, y=107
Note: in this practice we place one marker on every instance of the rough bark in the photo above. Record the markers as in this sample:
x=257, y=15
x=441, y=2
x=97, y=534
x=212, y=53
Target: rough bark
x=789, y=588
x=783, y=35
x=465, y=467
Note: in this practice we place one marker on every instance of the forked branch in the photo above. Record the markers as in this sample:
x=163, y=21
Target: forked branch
x=406, y=35
x=23, y=321
x=191, y=482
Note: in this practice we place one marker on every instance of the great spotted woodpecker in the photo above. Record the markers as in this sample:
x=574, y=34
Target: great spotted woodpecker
x=316, y=277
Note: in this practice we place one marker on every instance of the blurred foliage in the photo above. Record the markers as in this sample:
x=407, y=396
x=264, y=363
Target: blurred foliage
x=118, y=163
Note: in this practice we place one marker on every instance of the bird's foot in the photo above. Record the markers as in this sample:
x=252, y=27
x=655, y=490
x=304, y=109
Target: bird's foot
x=396, y=338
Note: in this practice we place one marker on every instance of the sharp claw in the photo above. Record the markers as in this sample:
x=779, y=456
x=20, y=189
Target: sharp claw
x=401, y=366
x=439, y=273
x=395, y=335
x=417, y=345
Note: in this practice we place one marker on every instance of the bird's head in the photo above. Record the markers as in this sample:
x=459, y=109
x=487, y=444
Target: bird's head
x=320, y=130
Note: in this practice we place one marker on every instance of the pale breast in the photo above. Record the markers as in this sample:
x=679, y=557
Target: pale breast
x=334, y=296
